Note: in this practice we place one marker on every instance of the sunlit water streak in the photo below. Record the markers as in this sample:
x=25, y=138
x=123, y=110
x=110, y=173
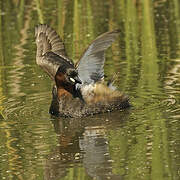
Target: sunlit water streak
x=172, y=86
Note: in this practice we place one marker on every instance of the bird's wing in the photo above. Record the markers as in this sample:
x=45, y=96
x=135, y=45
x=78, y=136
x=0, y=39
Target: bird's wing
x=50, y=49
x=91, y=65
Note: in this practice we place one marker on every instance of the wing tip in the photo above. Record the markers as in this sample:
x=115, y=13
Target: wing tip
x=116, y=30
x=39, y=28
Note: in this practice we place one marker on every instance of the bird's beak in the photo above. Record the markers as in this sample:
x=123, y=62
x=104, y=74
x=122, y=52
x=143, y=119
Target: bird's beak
x=77, y=80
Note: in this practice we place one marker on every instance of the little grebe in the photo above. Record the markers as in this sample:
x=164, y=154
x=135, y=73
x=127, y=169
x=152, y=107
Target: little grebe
x=79, y=89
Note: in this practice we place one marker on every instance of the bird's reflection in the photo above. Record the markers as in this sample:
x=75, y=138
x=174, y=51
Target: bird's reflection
x=96, y=158
x=83, y=144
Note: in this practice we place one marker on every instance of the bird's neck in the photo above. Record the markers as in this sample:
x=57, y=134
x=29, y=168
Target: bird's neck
x=69, y=92
x=65, y=91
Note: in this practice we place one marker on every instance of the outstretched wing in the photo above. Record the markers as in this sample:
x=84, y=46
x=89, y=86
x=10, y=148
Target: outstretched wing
x=50, y=49
x=91, y=65
x=56, y=43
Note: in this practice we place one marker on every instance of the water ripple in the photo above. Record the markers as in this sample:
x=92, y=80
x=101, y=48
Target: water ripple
x=172, y=86
x=26, y=106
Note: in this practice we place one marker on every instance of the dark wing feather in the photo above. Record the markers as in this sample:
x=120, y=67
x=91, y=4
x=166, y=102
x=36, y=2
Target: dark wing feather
x=56, y=43
x=91, y=65
x=50, y=49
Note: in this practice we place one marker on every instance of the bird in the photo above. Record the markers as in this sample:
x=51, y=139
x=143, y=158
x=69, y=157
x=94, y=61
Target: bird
x=79, y=89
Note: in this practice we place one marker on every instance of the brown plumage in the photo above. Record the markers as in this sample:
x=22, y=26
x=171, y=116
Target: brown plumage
x=79, y=90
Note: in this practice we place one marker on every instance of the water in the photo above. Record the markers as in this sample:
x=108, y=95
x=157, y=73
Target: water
x=140, y=143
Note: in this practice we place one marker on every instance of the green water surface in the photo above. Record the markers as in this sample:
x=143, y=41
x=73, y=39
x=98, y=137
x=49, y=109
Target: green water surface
x=140, y=143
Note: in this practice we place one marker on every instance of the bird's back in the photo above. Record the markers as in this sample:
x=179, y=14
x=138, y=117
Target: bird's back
x=99, y=99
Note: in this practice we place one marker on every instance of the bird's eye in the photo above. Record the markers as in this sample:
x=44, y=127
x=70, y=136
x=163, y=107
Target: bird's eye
x=72, y=79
